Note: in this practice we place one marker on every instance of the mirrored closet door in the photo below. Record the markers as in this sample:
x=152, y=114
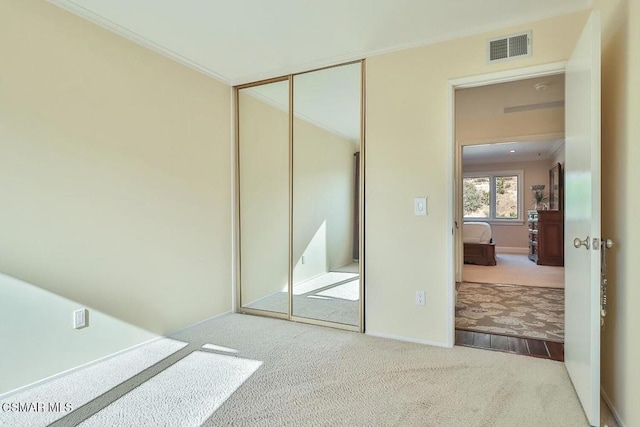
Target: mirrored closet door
x=263, y=180
x=300, y=197
x=326, y=141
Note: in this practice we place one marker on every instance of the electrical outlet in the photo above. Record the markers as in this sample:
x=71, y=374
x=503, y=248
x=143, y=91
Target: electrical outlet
x=420, y=298
x=80, y=318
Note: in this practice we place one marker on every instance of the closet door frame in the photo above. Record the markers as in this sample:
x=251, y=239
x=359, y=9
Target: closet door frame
x=238, y=308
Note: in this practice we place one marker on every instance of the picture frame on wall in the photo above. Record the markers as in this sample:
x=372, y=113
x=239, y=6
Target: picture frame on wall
x=555, y=188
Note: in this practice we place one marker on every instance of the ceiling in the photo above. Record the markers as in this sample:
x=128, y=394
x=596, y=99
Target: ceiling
x=503, y=98
x=242, y=41
x=502, y=153
x=506, y=98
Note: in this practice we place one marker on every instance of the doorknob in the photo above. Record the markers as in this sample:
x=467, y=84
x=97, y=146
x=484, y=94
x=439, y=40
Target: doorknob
x=577, y=243
x=608, y=243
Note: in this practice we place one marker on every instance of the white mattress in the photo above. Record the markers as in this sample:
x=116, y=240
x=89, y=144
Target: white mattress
x=476, y=232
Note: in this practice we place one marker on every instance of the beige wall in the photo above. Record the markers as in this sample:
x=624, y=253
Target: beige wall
x=516, y=236
x=43, y=343
x=115, y=188
x=407, y=157
x=620, y=202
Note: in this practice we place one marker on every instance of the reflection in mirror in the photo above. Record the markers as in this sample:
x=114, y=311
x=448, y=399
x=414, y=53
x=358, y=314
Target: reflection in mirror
x=263, y=145
x=326, y=146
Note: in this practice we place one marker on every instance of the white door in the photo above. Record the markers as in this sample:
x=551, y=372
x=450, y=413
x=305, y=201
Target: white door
x=582, y=219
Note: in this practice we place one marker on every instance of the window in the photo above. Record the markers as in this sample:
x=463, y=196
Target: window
x=476, y=197
x=493, y=196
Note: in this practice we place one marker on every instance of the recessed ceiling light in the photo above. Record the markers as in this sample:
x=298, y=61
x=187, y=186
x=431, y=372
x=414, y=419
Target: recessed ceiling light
x=541, y=86
x=512, y=151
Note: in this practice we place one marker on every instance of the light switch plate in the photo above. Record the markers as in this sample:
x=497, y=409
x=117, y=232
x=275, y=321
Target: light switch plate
x=420, y=206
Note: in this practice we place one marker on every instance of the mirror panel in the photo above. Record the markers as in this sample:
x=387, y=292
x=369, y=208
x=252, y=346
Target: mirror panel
x=263, y=155
x=326, y=146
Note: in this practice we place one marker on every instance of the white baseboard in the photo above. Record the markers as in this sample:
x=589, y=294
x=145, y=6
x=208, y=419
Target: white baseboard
x=100, y=359
x=76, y=368
x=511, y=250
x=615, y=413
x=199, y=322
x=407, y=339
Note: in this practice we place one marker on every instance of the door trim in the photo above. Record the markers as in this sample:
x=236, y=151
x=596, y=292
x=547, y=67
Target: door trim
x=454, y=169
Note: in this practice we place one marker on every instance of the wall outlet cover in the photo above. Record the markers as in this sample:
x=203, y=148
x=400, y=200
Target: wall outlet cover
x=80, y=318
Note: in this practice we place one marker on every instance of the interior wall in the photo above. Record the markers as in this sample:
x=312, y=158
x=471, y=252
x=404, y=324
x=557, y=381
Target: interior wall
x=620, y=203
x=43, y=343
x=516, y=236
x=115, y=184
x=407, y=146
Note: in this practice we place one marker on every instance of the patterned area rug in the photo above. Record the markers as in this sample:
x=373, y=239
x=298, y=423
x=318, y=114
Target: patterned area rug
x=518, y=311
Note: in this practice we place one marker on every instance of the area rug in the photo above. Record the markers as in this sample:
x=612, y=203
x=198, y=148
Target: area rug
x=518, y=311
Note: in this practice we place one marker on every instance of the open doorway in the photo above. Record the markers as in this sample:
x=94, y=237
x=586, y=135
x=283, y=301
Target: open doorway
x=510, y=290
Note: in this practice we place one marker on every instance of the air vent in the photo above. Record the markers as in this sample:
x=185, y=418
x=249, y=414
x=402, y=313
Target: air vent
x=509, y=47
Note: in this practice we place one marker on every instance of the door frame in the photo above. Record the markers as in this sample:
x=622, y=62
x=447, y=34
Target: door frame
x=454, y=169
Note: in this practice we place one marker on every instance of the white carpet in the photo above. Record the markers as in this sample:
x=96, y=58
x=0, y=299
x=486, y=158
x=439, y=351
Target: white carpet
x=515, y=269
x=314, y=376
x=83, y=385
x=185, y=394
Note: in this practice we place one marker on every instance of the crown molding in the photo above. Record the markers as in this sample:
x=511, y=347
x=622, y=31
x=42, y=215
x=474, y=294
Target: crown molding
x=103, y=22
x=556, y=148
x=107, y=24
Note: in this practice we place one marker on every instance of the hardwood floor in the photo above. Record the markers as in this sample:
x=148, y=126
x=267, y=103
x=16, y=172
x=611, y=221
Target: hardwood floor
x=524, y=346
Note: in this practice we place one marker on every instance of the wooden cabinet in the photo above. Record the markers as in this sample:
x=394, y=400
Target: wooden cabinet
x=546, y=237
